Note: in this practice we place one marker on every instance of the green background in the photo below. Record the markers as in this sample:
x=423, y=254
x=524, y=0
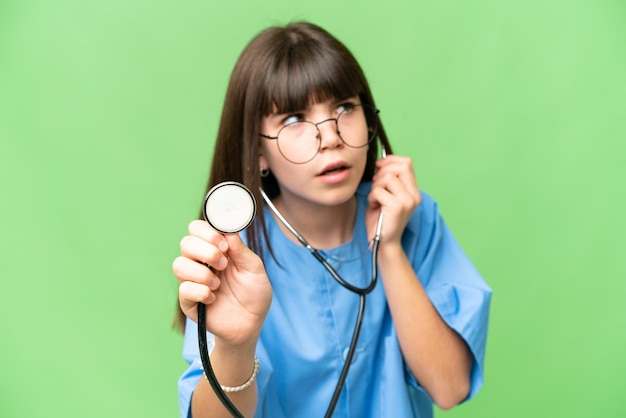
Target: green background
x=513, y=113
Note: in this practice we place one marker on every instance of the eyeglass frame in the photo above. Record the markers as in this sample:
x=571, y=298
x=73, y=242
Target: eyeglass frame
x=319, y=133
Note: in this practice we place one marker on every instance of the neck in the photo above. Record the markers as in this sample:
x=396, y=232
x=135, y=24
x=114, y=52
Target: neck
x=322, y=226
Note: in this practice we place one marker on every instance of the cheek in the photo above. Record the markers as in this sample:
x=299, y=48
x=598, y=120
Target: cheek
x=268, y=148
x=272, y=159
x=269, y=151
x=283, y=170
x=290, y=180
x=361, y=154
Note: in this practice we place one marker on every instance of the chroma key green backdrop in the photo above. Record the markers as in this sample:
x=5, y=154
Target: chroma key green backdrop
x=513, y=113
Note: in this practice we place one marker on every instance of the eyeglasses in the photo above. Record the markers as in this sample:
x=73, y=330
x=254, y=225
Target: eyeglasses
x=300, y=141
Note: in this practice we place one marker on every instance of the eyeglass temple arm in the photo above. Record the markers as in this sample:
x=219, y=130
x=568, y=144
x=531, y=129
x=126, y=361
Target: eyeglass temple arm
x=268, y=137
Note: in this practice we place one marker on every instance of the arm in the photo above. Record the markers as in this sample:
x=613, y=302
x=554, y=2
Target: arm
x=237, y=294
x=436, y=355
x=232, y=367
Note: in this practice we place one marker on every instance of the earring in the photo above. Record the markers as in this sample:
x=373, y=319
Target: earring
x=265, y=172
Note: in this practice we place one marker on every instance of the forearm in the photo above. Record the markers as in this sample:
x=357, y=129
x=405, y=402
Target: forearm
x=232, y=367
x=436, y=355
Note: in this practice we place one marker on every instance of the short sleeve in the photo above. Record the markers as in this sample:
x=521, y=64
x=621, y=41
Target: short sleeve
x=454, y=286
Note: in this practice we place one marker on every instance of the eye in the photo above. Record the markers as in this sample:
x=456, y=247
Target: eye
x=346, y=107
x=293, y=118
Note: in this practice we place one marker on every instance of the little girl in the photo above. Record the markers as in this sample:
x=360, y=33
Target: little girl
x=300, y=124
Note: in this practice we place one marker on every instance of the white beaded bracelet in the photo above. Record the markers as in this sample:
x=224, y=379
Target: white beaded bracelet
x=230, y=389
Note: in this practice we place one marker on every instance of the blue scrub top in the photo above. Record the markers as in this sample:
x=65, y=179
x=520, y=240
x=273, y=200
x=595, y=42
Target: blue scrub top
x=308, y=329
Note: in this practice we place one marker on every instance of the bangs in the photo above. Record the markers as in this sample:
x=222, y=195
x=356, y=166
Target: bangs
x=306, y=73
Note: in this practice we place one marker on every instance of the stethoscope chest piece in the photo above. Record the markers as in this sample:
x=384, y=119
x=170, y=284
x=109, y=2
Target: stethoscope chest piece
x=229, y=207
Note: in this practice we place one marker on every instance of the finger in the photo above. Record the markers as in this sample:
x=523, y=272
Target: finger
x=400, y=166
x=393, y=194
x=203, y=230
x=242, y=256
x=187, y=270
x=379, y=195
x=401, y=169
x=403, y=185
x=190, y=294
x=200, y=250
x=392, y=160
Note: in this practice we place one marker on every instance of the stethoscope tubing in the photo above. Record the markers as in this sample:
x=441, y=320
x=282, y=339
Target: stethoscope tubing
x=357, y=327
x=321, y=259
x=361, y=291
x=206, y=364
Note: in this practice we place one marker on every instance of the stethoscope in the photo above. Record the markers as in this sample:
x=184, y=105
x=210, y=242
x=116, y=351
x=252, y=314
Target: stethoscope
x=229, y=207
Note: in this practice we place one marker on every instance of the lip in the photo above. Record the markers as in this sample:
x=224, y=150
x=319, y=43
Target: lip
x=327, y=175
x=333, y=166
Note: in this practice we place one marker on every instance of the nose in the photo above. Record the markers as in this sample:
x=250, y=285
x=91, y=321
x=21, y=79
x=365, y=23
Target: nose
x=330, y=135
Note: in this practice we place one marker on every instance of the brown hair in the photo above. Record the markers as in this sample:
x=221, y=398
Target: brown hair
x=282, y=69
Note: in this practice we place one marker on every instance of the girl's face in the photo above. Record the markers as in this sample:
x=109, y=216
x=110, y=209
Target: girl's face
x=328, y=176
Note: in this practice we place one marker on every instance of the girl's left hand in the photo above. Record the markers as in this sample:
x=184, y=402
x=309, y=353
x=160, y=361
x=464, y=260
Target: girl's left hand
x=395, y=193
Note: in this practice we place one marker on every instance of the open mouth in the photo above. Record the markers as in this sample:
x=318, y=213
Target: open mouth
x=334, y=170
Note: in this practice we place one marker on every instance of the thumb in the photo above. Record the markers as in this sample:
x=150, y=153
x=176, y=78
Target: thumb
x=240, y=255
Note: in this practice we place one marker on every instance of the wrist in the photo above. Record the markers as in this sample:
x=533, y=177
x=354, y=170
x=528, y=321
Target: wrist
x=390, y=252
x=234, y=366
x=227, y=350
x=247, y=384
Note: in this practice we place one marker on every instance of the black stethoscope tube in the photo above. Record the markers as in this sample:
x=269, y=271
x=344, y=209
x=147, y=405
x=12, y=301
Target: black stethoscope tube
x=206, y=364
x=233, y=213
x=361, y=291
x=357, y=326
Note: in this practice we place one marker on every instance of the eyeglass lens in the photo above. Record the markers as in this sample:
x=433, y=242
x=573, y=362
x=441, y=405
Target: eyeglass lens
x=300, y=142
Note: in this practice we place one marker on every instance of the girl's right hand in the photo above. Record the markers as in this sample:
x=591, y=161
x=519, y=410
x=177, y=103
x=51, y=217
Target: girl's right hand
x=235, y=288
